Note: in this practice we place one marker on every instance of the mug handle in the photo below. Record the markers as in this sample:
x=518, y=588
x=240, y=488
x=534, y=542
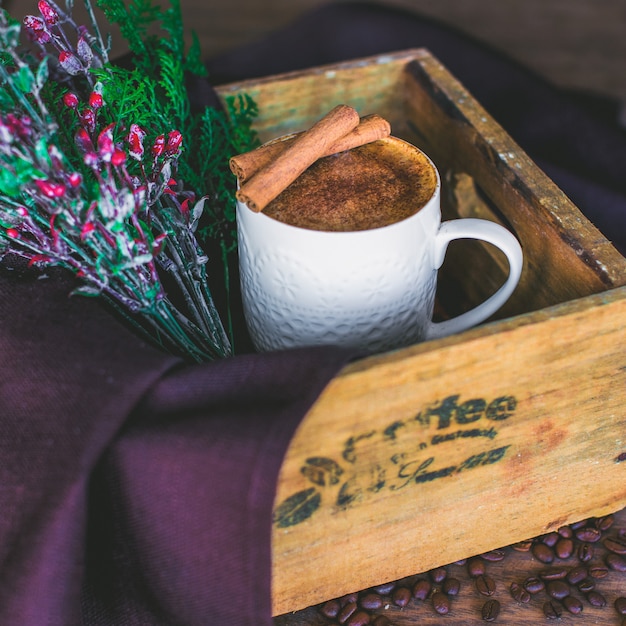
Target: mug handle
x=471, y=228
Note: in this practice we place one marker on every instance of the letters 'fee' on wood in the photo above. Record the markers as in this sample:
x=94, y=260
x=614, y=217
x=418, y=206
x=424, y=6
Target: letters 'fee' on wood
x=443, y=450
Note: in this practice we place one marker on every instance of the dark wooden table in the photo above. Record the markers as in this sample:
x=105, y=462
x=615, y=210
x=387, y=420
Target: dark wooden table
x=515, y=567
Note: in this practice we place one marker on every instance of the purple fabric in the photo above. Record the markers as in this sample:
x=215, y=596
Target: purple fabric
x=136, y=489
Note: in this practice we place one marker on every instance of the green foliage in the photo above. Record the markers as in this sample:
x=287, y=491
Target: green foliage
x=134, y=20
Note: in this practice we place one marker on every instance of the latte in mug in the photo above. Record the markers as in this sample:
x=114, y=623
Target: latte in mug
x=347, y=254
x=370, y=186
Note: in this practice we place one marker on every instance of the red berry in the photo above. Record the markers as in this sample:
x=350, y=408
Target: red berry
x=48, y=13
x=95, y=100
x=70, y=100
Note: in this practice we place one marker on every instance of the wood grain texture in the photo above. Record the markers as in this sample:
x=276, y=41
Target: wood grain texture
x=519, y=420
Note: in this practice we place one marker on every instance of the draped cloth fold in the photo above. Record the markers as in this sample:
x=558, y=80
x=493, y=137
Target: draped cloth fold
x=136, y=489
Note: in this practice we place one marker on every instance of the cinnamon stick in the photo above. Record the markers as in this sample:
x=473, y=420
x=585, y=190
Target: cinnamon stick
x=302, y=152
x=371, y=128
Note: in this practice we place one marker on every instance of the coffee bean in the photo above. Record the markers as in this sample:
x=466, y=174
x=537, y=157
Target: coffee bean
x=438, y=575
x=422, y=589
x=576, y=575
x=550, y=539
x=441, y=603
x=572, y=605
x=615, y=545
x=588, y=534
x=381, y=620
x=348, y=599
x=586, y=585
x=451, y=586
x=485, y=585
x=534, y=585
x=579, y=524
x=553, y=573
x=476, y=567
x=331, y=608
x=519, y=594
x=566, y=532
x=384, y=589
x=585, y=552
x=490, y=610
x=401, y=596
x=552, y=609
x=371, y=601
x=620, y=605
x=347, y=612
x=360, y=618
x=596, y=599
x=522, y=546
x=557, y=589
x=598, y=571
x=493, y=556
x=564, y=548
x=616, y=562
x=460, y=562
x=542, y=552
x=604, y=523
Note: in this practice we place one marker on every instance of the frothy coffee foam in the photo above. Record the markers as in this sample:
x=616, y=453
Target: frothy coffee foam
x=367, y=187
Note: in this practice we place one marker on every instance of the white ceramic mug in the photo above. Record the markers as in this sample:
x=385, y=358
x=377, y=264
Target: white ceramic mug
x=373, y=290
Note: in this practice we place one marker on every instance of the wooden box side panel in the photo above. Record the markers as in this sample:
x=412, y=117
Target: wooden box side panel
x=296, y=100
x=447, y=449
x=565, y=255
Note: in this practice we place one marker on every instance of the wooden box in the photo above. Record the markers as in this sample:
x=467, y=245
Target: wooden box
x=426, y=455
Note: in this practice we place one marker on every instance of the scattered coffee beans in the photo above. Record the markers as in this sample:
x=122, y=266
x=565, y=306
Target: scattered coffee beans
x=422, y=589
x=451, y=586
x=534, y=585
x=616, y=562
x=564, y=548
x=438, y=575
x=618, y=546
x=493, y=555
x=576, y=575
x=598, y=571
x=588, y=534
x=552, y=609
x=543, y=553
x=441, y=603
x=360, y=618
x=347, y=612
x=371, y=601
x=519, y=594
x=557, y=589
x=385, y=589
x=553, y=573
x=550, y=539
x=572, y=605
x=490, y=610
x=476, y=567
x=573, y=560
x=585, y=552
x=331, y=608
x=485, y=585
x=401, y=596
x=596, y=599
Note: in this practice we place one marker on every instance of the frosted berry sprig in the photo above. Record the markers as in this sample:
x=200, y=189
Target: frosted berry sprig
x=112, y=213
x=77, y=51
